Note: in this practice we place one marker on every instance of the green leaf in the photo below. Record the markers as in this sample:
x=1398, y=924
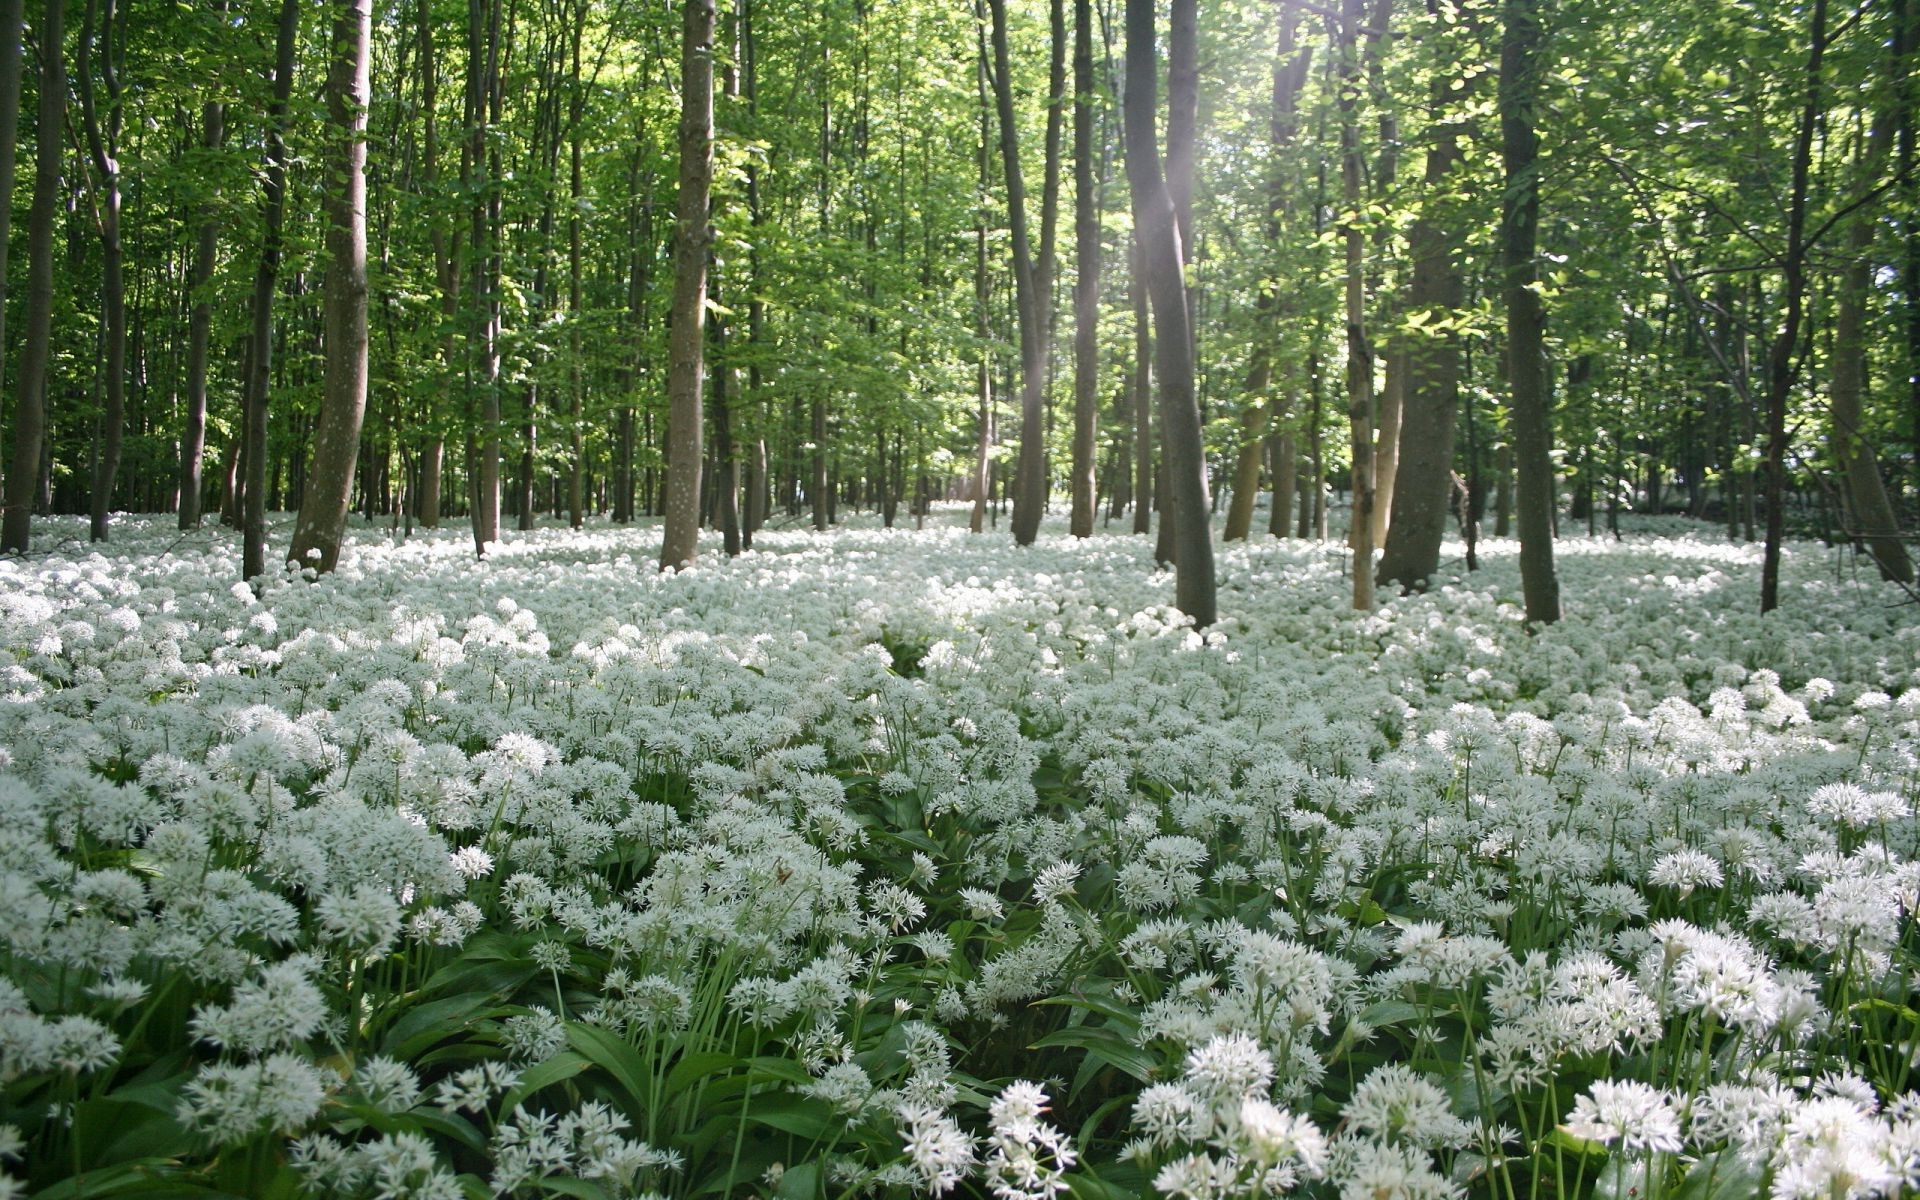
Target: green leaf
x=801, y=1116
x=562, y=1066
x=694, y=1067
x=1105, y=1045
x=613, y=1055
x=799, y=1183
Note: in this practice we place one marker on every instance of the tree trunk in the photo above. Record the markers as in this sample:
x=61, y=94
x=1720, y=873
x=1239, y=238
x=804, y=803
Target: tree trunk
x=1430, y=358
x=1874, y=522
x=1142, y=380
x=481, y=162
x=30, y=406
x=266, y=277
x=1289, y=76
x=1086, y=287
x=343, y=389
x=1030, y=475
x=12, y=19
x=1526, y=315
x=1161, y=257
x=1286, y=481
x=576, y=370
x=1359, y=352
x=193, y=439
x=685, y=350
x=103, y=149
x=1780, y=362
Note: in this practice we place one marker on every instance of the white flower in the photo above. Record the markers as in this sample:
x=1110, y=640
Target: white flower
x=1632, y=1113
x=937, y=1151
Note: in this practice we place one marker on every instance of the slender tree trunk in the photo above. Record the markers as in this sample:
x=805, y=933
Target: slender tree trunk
x=1161, y=257
x=30, y=406
x=1359, y=352
x=1142, y=379
x=266, y=277
x=343, y=391
x=1289, y=76
x=12, y=21
x=1030, y=476
x=446, y=272
x=1780, y=364
x=576, y=311
x=1086, y=287
x=685, y=365
x=193, y=439
x=480, y=161
x=103, y=149
x=1526, y=315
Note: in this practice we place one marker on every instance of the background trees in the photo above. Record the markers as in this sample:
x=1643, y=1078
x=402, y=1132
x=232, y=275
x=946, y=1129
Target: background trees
x=1723, y=262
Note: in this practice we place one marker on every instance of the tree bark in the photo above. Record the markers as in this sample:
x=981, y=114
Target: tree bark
x=193, y=438
x=1430, y=356
x=1030, y=474
x=1526, y=315
x=103, y=150
x=1142, y=381
x=30, y=407
x=12, y=20
x=1874, y=522
x=343, y=389
x=1086, y=287
x=1359, y=352
x=1780, y=364
x=686, y=346
x=1289, y=76
x=266, y=277
x=481, y=162
x=1161, y=258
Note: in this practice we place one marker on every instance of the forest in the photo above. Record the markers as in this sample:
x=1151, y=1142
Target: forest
x=1021, y=598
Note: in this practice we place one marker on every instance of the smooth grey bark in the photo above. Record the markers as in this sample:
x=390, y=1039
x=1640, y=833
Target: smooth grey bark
x=322, y=522
x=1430, y=366
x=1030, y=473
x=686, y=347
x=266, y=277
x=1086, y=287
x=1161, y=260
x=193, y=438
x=102, y=132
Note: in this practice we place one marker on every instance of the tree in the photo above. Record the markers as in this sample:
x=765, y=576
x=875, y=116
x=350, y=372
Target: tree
x=1526, y=314
x=206, y=248
x=30, y=408
x=1160, y=254
x=1086, y=286
x=1359, y=350
x=1030, y=283
x=103, y=149
x=322, y=523
x=1430, y=350
x=685, y=361
x=273, y=212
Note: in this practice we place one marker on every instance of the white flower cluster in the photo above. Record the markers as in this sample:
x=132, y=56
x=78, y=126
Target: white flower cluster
x=878, y=812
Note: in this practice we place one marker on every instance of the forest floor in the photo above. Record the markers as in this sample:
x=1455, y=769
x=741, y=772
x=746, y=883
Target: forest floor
x=553, y=875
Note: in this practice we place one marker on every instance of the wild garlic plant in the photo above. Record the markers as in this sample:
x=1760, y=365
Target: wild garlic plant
x=883, y=863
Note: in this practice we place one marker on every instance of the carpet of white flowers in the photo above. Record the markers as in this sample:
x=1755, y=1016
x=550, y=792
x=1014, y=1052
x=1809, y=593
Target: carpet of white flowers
x=896, y=863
